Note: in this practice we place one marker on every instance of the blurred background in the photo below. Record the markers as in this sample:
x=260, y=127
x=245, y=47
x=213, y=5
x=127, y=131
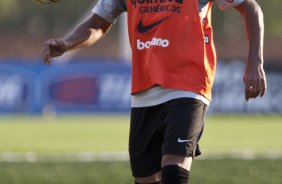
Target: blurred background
x=75, y=113
x=29, y=87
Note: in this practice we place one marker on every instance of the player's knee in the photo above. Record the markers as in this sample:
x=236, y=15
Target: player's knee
x=174, y=174
x=181, y=161
x=153, y=179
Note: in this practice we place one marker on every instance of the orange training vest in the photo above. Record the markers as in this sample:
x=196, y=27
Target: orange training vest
x=171, y=46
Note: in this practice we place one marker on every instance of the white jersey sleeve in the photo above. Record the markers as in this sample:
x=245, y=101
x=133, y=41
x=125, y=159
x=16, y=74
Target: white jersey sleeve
x=110, y=9
x=223, y=4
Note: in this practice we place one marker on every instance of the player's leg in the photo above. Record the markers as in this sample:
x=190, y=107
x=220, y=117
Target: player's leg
x=184, y=162
x=153, y=179
x=145, y=144
x=183, y=128
x=175, y=169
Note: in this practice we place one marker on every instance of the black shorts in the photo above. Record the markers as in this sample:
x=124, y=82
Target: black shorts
x=174, y=127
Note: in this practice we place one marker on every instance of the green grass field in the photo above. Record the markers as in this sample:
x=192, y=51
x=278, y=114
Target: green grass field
x=224, y=171
x=255, y=139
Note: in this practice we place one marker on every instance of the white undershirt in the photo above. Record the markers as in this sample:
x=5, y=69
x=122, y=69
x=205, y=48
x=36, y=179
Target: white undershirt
x=158, y=95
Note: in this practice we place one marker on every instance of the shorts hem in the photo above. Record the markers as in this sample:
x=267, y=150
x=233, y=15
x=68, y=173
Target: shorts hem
x=189, y=153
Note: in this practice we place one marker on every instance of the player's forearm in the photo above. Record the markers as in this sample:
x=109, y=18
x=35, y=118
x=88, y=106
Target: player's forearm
x=87, y=33
x=82, y=37
x=254, y=25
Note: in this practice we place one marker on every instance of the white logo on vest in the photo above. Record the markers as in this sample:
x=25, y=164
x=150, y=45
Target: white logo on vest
x=154, y=42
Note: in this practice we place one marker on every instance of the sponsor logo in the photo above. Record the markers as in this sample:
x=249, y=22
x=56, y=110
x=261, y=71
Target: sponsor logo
x=163, y=8
x=206, y=39
x=156, y=6
x=183, y=140
x=148, y=2
x=159, y=42
x=142, y=29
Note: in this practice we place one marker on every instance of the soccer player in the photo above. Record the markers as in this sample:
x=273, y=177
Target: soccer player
x=173, y=67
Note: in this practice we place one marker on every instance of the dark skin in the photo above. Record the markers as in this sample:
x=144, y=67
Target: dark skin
x=86, y=34
x=93, y=28
x=254, y=76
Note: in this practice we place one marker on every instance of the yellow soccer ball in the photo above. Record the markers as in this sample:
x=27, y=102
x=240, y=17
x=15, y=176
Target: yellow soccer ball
x=47, y=1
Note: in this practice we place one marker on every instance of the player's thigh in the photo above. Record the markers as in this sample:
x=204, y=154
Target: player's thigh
x=149, y=179
x=181, y=161
x=183, y=127
x=145, y=141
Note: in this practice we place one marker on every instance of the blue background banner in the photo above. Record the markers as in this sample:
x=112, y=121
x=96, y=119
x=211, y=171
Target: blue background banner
x=90, y=87
x=83, y=87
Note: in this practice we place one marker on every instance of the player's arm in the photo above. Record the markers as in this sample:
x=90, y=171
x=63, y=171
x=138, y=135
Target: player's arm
x=86, y=34
x=254, y=76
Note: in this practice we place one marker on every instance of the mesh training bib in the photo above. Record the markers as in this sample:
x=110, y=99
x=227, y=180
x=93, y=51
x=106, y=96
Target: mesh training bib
x=171, y=45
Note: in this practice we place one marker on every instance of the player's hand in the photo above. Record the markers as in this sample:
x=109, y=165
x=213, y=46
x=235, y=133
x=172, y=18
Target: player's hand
x=255, y=80
x=53, y=48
